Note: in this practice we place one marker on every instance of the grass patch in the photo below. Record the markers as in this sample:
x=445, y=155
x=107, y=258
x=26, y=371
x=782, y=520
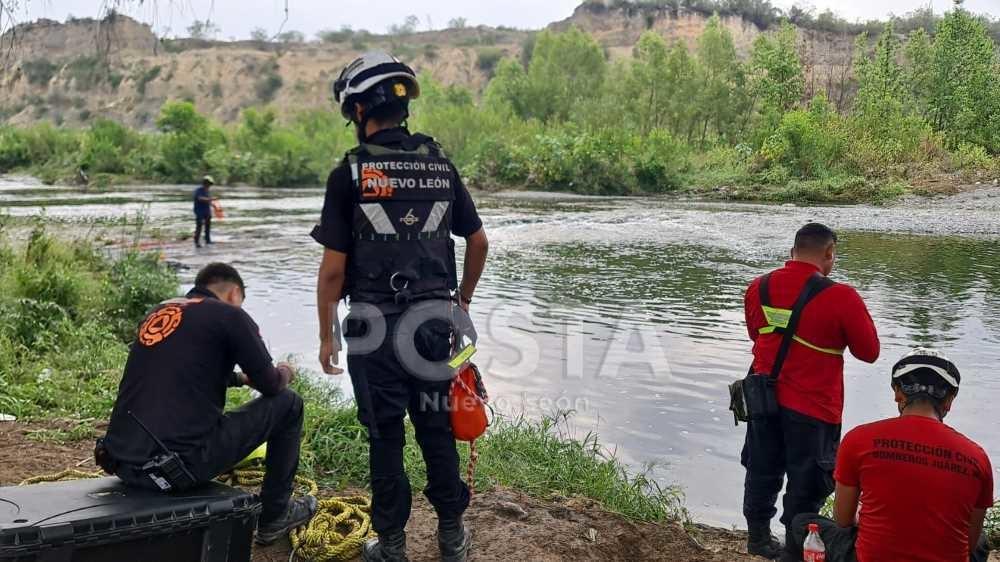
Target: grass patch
x=64, y=309
x=532, y=456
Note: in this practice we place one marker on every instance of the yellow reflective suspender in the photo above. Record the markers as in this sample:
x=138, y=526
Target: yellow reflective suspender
x=777, y=319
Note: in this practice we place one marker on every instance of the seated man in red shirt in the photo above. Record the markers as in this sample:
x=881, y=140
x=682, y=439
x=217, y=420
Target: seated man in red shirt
x=923, y=487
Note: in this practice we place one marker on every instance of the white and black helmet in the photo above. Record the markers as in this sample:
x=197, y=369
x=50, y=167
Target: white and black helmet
x=926, y=371
x=368, y=75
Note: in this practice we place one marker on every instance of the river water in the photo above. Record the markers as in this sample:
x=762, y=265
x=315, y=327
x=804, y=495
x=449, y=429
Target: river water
x=626, y=311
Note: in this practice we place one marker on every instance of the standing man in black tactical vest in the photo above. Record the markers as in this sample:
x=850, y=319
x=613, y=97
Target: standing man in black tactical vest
x=391, y=208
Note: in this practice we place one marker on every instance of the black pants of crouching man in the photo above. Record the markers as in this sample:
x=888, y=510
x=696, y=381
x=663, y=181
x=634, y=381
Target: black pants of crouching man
x=839, y=541
x=792, y=444
x=392, y=392
x=276, y=420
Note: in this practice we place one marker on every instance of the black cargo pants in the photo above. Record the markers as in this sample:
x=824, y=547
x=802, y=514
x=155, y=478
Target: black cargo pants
x=276, y=420
x=793, y=444
x=839, y=541
x=391, y=393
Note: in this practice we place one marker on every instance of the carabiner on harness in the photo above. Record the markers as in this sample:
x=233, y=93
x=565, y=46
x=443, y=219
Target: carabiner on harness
x=402, y=294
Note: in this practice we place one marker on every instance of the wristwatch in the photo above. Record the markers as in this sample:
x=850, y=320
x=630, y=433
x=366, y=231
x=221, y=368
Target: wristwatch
x=464, y=299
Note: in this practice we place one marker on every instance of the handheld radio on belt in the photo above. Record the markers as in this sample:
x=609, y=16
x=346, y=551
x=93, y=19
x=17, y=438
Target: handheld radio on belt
x=166, y=470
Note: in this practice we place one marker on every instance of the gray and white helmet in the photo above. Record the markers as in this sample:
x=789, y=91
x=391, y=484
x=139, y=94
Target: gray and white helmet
x=926, y=371
x=371, y=70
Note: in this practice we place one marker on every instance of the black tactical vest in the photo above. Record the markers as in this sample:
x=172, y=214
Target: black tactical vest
x=403, y=250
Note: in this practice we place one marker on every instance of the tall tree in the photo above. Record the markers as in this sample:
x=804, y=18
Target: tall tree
x=776, y=69
x=963, y=98
x=566, y=68
x=920, y=68
x=776, y=79
x=884, y=111
x=721, y=82
x=681, y=67
x=650, y=89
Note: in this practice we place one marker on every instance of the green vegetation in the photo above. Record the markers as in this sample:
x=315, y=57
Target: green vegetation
x=561, y=116
x=87, y=72
x=145, y=77
x=185, y=146
x=269, y=82
x=64, y=311
x=67, y=313
x=331, y=36
x=765, y=15
x=39, y=71
x=487, y=59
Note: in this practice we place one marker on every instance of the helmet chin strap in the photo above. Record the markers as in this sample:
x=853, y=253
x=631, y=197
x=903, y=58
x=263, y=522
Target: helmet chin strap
x=362, y=125
x=363, y=130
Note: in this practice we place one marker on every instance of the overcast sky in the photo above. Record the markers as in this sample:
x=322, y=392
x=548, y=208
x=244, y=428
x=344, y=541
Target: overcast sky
x=237, y=18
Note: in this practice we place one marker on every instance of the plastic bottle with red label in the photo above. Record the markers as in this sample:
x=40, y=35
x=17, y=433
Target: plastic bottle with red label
x=813, y=550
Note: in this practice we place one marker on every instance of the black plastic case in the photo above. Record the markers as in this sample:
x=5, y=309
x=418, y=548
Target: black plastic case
x=103, y=520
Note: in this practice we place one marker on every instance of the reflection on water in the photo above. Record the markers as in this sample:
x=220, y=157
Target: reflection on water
x=628, y=311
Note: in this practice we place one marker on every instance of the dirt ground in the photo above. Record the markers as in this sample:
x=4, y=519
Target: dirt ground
x=506, y=524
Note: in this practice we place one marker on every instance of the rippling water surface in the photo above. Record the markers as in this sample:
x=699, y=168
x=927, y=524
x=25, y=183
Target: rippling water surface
x=581, y=295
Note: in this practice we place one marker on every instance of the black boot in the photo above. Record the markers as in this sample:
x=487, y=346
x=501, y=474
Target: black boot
x=761, y=542
x=388, y=547
x=454, y=540
x=299, y=512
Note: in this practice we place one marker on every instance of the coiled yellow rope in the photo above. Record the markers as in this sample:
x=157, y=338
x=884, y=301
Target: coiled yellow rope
x=336, y=533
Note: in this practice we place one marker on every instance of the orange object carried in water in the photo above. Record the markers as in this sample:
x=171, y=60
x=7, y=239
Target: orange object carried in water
x=467, y=404
x=217, y=210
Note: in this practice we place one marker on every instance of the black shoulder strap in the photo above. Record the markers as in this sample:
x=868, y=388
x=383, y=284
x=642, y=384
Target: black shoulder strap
x=416, y=140
x=815, y=285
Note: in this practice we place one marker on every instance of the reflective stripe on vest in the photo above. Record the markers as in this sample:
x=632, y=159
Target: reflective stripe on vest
x=777, y=321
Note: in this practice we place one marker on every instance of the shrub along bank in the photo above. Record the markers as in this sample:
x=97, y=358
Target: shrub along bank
x=668, y=119
x=67, y=313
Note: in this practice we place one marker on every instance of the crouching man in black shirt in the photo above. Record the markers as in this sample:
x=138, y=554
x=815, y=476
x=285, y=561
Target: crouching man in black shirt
x=175, y=384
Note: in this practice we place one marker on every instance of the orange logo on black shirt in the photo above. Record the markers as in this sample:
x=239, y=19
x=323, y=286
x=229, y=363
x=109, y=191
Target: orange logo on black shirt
x=160, y=325
x=375, y=184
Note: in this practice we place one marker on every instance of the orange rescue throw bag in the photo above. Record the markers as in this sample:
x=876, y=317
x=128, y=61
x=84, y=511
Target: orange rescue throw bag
x=467, y=404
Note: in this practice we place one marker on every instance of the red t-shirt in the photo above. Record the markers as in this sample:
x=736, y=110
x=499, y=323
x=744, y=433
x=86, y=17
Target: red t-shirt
x=811, y=382
x=920, y=481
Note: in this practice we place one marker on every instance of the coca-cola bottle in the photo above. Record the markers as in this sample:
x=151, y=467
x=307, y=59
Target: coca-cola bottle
x=813, y=550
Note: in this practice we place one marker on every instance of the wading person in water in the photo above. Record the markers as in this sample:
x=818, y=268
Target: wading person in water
x=801, y=440
x=203, y=211
x=923, y=487
x=391, y=208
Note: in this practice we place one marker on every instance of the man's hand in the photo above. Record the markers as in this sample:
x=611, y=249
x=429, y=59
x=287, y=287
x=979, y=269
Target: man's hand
x=329, y=356
x=287, y=372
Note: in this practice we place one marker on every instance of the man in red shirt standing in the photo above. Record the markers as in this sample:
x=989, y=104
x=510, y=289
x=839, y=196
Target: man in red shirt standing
x=802, y=440
x=923, y=487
